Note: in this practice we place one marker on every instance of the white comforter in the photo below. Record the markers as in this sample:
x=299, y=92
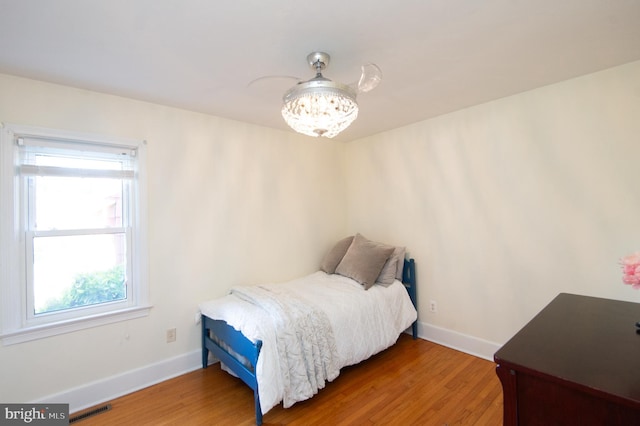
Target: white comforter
x=363, y=322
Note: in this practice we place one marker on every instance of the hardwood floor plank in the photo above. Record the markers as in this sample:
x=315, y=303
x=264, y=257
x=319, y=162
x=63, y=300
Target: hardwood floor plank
x=415, y=382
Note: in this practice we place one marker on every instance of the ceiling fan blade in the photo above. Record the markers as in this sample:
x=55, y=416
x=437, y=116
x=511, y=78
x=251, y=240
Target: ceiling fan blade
x=369, y=79
x=275, y=79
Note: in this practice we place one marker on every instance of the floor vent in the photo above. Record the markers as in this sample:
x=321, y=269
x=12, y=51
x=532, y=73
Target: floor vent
x=90, y=413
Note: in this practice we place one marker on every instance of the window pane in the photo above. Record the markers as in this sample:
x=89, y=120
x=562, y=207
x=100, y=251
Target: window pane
x=76, y=271
x=77, y=203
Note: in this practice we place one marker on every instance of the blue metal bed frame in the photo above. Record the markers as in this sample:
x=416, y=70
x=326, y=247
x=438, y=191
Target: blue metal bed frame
x=217, y=336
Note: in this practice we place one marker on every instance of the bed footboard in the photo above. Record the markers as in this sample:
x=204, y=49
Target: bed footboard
x=232, y=348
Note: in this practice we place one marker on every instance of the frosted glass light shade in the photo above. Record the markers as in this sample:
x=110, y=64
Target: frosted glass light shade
x=320, y=107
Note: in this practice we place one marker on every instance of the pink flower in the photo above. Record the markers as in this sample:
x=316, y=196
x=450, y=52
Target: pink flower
x=631, y=270
x=632, y=259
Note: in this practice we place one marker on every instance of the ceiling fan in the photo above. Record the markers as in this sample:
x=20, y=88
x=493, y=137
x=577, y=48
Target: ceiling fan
x=322, y=107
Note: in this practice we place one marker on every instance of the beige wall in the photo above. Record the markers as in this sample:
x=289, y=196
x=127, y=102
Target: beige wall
x=506, y=204
x=229, y=203
x=502, y=205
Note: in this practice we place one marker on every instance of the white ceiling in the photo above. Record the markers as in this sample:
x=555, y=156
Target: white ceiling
x=436, y=56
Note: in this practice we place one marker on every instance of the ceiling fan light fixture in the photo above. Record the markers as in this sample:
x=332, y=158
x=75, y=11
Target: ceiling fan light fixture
x=320, y=107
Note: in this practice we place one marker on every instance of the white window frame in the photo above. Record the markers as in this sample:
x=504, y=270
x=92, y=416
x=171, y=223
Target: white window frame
x=16, y=301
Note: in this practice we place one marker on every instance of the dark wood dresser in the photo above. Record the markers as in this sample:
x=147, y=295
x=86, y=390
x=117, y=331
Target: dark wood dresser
x=576, y=363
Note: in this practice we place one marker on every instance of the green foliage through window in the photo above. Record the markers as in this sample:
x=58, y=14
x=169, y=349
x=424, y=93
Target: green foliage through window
x=90, y=289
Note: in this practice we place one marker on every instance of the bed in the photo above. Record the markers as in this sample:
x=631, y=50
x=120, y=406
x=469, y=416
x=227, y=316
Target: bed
x=286, y=340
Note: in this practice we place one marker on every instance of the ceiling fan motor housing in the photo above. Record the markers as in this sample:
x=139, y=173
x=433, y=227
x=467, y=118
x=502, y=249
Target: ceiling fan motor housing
x=318, y=61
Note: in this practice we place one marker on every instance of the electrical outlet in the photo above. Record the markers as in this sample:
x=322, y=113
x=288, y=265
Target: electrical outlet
x=433, y=306
x=171, y=335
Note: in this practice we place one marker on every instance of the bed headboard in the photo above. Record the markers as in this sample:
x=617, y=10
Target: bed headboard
x=409, y=281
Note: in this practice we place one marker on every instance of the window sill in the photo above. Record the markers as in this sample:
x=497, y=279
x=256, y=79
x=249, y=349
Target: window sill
x=54, y=329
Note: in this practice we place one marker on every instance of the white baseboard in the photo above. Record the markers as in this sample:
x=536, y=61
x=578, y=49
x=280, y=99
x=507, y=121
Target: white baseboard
x=101, y=391
x=458, y=341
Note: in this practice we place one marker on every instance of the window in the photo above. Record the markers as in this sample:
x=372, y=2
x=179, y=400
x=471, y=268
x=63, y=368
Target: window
x=72, y=232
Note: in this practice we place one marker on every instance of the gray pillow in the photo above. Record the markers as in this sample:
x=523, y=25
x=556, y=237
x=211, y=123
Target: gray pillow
x=364, y=260
x=335, y=255
x=390, y=269
x=402, y=251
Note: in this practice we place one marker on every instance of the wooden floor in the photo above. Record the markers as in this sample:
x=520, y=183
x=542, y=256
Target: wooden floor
x=415, y=382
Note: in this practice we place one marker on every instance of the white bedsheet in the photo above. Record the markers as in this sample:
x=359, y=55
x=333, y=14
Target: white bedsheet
x=364, y=322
